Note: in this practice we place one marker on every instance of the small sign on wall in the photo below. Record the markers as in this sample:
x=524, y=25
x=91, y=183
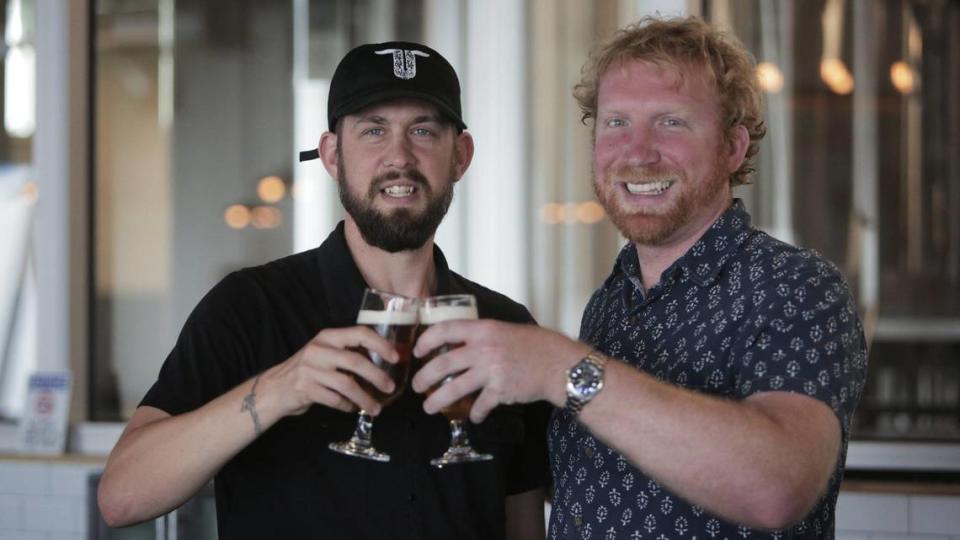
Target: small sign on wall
x=43, y=429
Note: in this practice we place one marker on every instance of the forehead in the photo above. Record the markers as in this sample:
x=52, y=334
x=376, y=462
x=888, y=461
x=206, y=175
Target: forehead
x=645, y=80
x=400, y=109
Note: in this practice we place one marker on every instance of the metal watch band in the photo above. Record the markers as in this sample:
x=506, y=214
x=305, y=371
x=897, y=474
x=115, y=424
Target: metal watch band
x=574, y=405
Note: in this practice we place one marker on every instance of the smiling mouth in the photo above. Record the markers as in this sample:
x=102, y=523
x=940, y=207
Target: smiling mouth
x=649, y=188
x=398, y=191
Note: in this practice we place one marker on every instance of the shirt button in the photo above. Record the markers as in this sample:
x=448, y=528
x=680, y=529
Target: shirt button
x=412, y=498
x=588, y=451
x=578, y=521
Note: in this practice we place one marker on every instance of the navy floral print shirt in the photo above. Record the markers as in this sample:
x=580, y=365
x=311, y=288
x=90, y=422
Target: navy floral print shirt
x=739, y=313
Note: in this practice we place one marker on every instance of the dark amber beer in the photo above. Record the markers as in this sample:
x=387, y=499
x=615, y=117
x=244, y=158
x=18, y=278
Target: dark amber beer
x=429, y=315
x=393, y=317
x=436, y=310
x=400, y=329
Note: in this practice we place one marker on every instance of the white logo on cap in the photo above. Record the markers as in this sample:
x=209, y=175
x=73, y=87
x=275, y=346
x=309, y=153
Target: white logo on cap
x=404, y=62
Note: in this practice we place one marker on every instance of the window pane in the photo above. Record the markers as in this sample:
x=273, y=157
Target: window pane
x=858, y=164
x=18, y=195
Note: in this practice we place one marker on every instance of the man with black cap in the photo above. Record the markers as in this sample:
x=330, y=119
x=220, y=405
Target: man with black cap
x=259, y=382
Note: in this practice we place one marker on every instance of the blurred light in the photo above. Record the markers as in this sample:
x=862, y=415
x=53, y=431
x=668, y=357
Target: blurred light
x=266, y=217
x=769, y=77
x=30, y=191
x=551, y=213
x=237, y=216
x=836, y=75
x=902, y=77
x=19, y=118
x=569, y=214
x=271, y=189
x=13, y=33
x=590, y=212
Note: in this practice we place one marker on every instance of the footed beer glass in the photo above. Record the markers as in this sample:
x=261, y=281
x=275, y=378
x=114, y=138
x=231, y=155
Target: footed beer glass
x=446, y=308
x=394, y=318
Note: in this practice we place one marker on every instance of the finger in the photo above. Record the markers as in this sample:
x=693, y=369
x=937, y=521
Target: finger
x=325, y=359
x=455, y=388
x=347, y=386
x=486, y=402
x=449, y=363
x=358, y=336
x=325, y=396
x=362, y=366
x=444, y=332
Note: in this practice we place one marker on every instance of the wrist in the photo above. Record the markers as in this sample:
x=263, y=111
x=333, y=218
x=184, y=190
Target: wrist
x=558, y=382
x=585, y=380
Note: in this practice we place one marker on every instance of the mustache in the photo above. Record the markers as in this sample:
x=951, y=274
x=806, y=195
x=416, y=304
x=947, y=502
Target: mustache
x=627, y=173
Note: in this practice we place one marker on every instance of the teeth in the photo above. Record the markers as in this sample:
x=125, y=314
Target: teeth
x=649, y=188
x=399, y=191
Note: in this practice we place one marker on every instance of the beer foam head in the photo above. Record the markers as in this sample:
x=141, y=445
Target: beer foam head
x=396, y=318
x=435, y=314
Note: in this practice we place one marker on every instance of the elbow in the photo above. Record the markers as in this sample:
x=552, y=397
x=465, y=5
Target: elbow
x=782, y=508
x=116, y=510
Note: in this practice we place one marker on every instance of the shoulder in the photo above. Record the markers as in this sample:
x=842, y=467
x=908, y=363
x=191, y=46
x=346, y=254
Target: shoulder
x=772, y=263
x=491, y=304
x=248, y=286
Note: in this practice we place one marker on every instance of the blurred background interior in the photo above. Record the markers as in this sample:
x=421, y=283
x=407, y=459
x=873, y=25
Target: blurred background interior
x=149, y=147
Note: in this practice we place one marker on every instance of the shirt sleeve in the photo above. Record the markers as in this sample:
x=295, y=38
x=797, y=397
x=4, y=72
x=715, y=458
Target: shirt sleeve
x=805, y=337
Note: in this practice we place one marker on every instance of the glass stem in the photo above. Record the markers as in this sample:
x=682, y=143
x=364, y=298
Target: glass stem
x=458, y=435
x=362, y=435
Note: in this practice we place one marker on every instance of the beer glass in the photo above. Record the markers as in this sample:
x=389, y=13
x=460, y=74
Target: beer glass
x=393, y=317
x=445, y=308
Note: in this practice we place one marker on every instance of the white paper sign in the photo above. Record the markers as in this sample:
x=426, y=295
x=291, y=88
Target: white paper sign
x=43, y=429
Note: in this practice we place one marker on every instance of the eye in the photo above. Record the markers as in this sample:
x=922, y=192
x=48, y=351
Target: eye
x=375, y=131
x=671, y=121
x=616, y=122
x=422, y=132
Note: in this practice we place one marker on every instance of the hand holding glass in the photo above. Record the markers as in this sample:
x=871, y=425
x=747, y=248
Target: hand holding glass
x=446, y=308
x=394, y=318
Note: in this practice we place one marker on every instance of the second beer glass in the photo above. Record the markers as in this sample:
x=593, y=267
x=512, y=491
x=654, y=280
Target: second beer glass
x=446, y=308
x=393, y=317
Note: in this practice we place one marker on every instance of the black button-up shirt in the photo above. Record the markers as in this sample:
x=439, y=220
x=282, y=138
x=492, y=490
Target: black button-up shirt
x=739, y=313
x=287, y=483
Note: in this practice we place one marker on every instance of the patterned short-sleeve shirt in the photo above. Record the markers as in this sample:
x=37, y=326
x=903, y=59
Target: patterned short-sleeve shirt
x=739, y=313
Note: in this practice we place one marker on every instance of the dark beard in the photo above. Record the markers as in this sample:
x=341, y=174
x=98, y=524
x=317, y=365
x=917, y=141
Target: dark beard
x=402, y=229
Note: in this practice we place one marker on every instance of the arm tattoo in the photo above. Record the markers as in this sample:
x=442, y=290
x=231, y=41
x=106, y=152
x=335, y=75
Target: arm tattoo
x=248, y=405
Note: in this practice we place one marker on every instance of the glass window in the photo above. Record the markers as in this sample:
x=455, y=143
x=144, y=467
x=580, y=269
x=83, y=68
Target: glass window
x=18, y=195
x=863, y=103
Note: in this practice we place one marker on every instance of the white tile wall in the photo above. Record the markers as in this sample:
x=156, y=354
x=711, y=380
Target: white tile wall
x=873, y=513
x=44, y=500
x=935, y=515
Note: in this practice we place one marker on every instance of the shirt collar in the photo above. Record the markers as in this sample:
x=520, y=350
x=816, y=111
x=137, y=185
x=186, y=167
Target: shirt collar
x=343, y=284
x=703, y=261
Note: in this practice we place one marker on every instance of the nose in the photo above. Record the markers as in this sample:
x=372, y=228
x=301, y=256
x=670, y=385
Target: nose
x=399, y=153
x=641, y=147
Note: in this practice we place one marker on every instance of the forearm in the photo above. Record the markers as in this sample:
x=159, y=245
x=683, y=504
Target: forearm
x=753, y=464
x=160, y=461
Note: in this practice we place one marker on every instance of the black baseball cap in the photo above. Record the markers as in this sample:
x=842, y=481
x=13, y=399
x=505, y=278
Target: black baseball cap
x=376, y=72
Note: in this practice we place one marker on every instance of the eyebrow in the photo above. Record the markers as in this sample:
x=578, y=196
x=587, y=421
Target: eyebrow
x=380, y=120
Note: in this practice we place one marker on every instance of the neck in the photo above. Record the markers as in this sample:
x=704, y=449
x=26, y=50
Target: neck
x=654, y=259
x=410, y=273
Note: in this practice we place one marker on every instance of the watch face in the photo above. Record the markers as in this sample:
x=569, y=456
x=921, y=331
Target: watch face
x=585, y=379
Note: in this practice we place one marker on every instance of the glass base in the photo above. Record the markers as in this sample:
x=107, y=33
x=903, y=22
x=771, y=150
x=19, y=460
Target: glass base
x=459, y=454
x=355, y=449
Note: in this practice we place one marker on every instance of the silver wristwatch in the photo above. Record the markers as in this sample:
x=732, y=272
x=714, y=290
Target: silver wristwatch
x=584, y=381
